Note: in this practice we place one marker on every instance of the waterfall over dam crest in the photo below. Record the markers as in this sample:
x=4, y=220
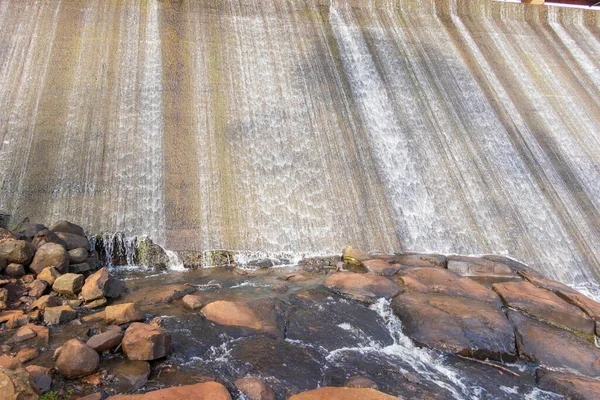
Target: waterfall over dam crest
x=451, y=126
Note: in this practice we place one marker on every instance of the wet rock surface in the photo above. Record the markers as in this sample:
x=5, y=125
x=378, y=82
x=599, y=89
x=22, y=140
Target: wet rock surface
x=362, y=287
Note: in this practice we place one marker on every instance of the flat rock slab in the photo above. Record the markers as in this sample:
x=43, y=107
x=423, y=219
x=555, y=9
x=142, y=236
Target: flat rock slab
x=380, y=267
x=589, y=306
x=544, y=305
x=160, y=294
x=199, y=391
x=365, y=288
x=343, y=393
x=419, y=260
x=480, y=267
x=569, y=385
x=259, y=315
x=554, y=347
x=457, y=325
x=437, y=280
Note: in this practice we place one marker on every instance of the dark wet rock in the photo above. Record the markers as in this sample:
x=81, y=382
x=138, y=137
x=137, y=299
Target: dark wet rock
x=457, y=325
x=5, y=235
x=34, y=335
x=130, y=375
x=101, y=302
x=17, y=384
x=32, y=229
x=41, y=376
x=589, y=306
x=78, y=255
x=353, y=255
x=479, y=267
x=575, y=387
x=442, y=281
x=49, y=275
x=27, y=279
x=150, y=254
x=15, y=270
x=120, y=314
x=255, y=389
x=538, y=280
x=67, y=227
x=267, y=356
x=50, y=255
x=59, y=315
x=331, y=323
x=94, y=285
x=420, y=260
x=44, y=301
x=343, y=393
x=260, y=315
x=193, y=302
x=73, y=241
x=169, y=293
x=199, y=391
x=114, y=288
x=46, y=236
x=361, y=382
x=365, y=288
x=380, y=267
x=9, y=362
x=554, y=347
x=16, y=251
x=95, y=317
x=79, y=268
x=68, y=284
x=3, y=295
x=146, y=342
x=544, y=305
x=105, y=341
x=27, y=354
x=37, y=288
x=76, y=359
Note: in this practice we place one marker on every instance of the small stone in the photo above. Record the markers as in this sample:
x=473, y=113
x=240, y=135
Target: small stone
x=41, y=376
x=10, y=362
x=361, y=382
x=281, y=288
x=101, y=302
x=365, y=288
x=94, y=285
x=342, y=393
x=16, y=321
x=35, y=315
x=120, y=314
x=255, y=389
x=15, y=270
x=3, y=295
x=193, y=302
x=40, y=338
x=37, y=288
x=74, y=302
x=380, y=267
x=50, y=255
x=27, y=279
x=59, y=315
x=76, y=359
x=3, y=306
x=146, y=342
x=95, y=317
x=27, y=354
x=68, y=284
x=572, y=386
x=130, y=375
x=114, y=288
x=49, y=275
x=23, y=334
x=9, y=314
x=44, y=301
x=78, y=255
x=105, y=341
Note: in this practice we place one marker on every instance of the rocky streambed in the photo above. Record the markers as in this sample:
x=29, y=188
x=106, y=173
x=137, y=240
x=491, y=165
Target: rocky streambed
x=355, y=326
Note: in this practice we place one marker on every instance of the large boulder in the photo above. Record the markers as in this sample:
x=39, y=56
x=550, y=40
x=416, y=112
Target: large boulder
x=569, y=385
x=342, y=393
x=46, y=236
x=76, y=359
x=105, y=341
x=544, y=305
x=73, y=241
x=59, y=315
x=199, y=391
x=146, y=342
x=255, y=389
x=457, y=325
x=32, y=229
x=94, y=285
x=68, y=284
x=192, y=301
x=554, y=347
x=120, y=314
x=365, y=288
x=442, y=281
x=78, y=255
x=17, y=384
x=67, y=227
x=16, y=251
x=150, y=254
x=480, y=267
x=258, y=315
x=50, y=255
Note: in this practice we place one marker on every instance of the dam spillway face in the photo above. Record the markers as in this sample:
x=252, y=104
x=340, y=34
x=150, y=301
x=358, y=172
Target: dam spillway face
x=450, y=126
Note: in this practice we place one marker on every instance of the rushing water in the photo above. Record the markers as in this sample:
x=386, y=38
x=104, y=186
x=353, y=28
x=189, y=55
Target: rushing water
x=302, y=126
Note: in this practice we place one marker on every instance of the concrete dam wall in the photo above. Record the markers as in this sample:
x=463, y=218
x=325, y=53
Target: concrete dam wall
x=452, y=126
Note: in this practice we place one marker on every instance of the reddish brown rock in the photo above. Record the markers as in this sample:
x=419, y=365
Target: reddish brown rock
x=94, y=285
x=40, y=339
x=457, y=325
x=76, y=359
x=438, y=280
x=199, y=391
x=365, y=288
x=37, y=288
x=101, y=302
x=50, y=255
x=554, y=347
x=68, y=284
x=343, y=393
x=255, y=389
x=120, y=314
x=27, y=354
x=16, y=251
x=544, y=305
x=480, y=267
x=146, y=342
x=59, y=315
x=49, y=275
x=41, y=376
x=43, y=302
x=17, y=384
x=105, y=341
x=193, y=302
x=380, y=267
x=259, y=315
x=572, y=386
